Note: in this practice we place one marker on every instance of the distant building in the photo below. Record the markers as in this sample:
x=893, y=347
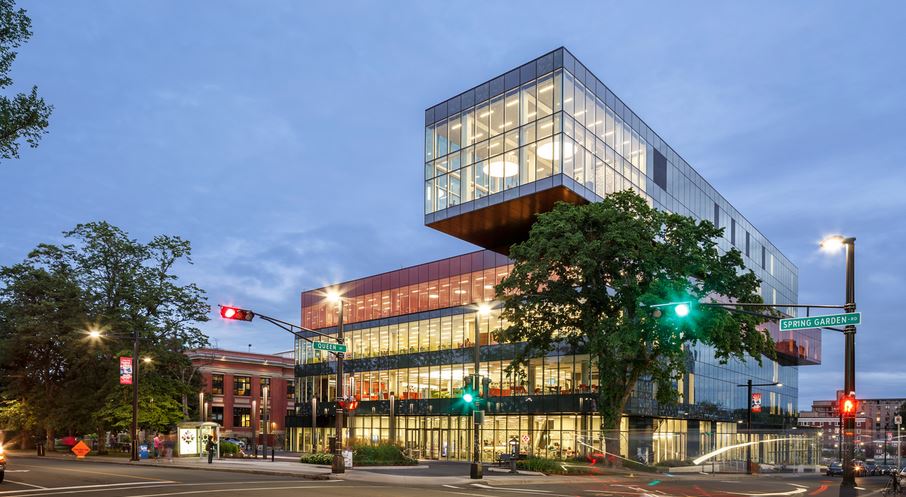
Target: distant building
x=876, y=430
x=233, y=387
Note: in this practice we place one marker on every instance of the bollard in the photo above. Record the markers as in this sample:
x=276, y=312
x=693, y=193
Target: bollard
x=272, y=454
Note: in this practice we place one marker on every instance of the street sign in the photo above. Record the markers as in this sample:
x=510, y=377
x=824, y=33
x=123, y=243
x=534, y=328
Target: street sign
x=847, y=319
x=80, y=450
x=898, y=420
x=329, y=346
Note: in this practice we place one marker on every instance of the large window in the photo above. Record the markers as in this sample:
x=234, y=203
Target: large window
x=265, y=382
x=290, y=389
x=242, y=386
x=217, y=384
x=217, y=414
x=242, y=417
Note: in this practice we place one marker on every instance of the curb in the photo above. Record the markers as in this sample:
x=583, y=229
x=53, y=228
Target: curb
x=265, y=472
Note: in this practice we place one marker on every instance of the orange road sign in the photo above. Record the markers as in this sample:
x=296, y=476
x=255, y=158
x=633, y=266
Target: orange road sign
x=80, y=450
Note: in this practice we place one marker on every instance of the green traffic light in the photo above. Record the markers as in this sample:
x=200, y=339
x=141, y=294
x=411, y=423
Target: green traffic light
x=681, y=310
x=467, y=397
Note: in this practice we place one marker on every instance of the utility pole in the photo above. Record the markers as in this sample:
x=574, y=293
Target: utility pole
x=849, y=378
x=339, y=464
x=135, y=361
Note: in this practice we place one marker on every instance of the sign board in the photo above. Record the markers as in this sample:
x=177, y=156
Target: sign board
x=125, y=370
x=329, y=346
x=188, y=441
x=526, y=439
x=847, y=319
x=756, y=402
x=80, y=450
x=347, y=458
x=143, y=451
x=898, y=420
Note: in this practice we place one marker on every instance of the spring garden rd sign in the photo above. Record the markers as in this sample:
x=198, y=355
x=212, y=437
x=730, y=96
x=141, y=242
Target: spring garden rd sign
x=850, y=318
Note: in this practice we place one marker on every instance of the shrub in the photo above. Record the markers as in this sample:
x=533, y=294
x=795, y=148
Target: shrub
x=383, y=454
x=555, y=467
x=637, y=466
x=228, y=449
x=672, y=463
x=317, y=458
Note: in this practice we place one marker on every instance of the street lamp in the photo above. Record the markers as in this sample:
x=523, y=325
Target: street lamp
x=96, y=334
x=339, y=465
x=833, y=244
x=749, y=386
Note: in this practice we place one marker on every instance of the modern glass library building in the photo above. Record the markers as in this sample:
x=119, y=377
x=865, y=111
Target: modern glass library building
x=495, y=156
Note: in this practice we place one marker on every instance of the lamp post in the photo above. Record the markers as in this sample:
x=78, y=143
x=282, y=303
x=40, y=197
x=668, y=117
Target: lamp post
x=134, y=433
x=834, y=244
x=749, y=386
x=264, y=392
x=339, y=465
x=475, y=469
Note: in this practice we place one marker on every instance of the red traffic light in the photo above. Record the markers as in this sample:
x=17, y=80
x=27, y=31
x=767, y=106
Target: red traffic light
x=236, y=313
x=849, y=405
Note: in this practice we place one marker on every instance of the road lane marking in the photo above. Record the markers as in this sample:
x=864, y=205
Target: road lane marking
x=451, y=486
x=220, y=490
x=54, y=468
x=820, y=489
x=104, y=486
x=750, y=494
x=26, y=484
x=488, y=487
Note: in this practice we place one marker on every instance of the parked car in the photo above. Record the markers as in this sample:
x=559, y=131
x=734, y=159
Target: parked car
x=834, y=469
x=859, y=468
x=872, y=469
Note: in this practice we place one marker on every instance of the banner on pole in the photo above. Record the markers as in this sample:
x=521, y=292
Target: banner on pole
x=125, y=370
x=756, y=402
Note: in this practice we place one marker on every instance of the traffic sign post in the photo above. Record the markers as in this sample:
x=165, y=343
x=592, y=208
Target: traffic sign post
x=80, y=450
x=329, y=346
x=846, y=319
x=898, y=420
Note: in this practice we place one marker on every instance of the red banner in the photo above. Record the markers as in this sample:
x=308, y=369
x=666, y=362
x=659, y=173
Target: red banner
x=125, y=370
x=756, y=402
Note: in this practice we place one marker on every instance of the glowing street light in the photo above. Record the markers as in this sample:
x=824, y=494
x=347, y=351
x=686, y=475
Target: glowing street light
x=681, y=310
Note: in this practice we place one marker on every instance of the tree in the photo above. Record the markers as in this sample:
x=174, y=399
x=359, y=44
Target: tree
x=106, y=280
x=24, y=116
x=588, y=275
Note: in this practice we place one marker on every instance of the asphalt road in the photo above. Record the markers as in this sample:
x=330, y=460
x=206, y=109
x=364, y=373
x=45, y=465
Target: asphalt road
x=46, y=477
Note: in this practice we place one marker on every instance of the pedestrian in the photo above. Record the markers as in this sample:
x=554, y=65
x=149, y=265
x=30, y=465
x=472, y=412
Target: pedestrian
x=158, y=445
x=168, y=447
x=210, y=446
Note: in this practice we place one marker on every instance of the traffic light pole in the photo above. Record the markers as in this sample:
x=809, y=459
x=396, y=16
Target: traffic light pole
x=849, y=378
x=339, y=464
x=749, y=427
x=476, y=473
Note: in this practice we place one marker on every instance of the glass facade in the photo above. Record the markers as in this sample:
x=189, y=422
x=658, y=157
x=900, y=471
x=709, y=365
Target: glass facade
x=411, y=333
x=553, y=117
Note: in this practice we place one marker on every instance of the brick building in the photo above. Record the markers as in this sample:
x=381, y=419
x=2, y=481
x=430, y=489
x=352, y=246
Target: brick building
x=233, y=391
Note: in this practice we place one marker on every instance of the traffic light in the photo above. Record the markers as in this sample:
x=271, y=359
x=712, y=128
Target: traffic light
x=672, y=309
x=236, y=313
x=470, y=393
x=848, y=406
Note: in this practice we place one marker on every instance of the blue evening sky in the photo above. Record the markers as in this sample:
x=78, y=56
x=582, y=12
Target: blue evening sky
x=284, y=139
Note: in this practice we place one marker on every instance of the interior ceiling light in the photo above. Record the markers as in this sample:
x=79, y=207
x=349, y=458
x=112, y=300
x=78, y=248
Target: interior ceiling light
x=501, y=167
x=549, y=150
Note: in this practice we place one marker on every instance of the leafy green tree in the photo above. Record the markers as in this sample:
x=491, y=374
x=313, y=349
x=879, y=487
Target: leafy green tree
x=23, y=116
x=588, y=275
x=41, y=315
x=105, y=280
